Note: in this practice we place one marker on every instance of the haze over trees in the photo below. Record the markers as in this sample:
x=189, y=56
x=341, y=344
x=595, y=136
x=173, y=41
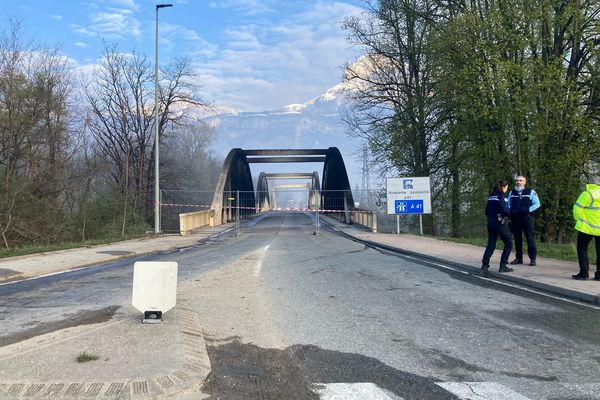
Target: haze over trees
x=77, y=153
x=474, y=91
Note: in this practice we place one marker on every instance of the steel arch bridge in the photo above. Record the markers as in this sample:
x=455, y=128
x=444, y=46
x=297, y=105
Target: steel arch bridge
x=333, y=193
x=265, y=198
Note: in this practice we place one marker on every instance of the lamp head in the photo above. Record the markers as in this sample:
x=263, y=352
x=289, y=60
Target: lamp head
x=163, y=6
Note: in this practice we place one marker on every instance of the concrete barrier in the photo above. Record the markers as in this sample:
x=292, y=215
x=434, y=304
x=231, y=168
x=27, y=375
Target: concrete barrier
x=365, y=218
x=189, y=222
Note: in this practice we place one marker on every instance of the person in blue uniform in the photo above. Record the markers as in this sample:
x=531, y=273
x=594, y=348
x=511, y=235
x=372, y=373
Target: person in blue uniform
x=497, y=212
x=522, y=202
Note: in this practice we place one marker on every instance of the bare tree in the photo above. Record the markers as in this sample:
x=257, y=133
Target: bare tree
x=188, y=164
x=394, y=104
x=35, y=137
x=121, y=106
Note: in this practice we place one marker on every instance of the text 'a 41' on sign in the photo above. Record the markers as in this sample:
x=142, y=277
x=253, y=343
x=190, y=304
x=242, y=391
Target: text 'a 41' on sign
x=408, y=206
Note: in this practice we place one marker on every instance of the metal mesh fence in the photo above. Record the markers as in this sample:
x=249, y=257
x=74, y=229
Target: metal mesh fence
x=266, y=208
x=175, y=202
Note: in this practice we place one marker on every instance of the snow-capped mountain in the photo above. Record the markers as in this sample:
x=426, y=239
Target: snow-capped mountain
x=315, y=124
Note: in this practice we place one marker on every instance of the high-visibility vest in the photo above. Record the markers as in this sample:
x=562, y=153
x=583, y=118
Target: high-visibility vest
x=587, y=210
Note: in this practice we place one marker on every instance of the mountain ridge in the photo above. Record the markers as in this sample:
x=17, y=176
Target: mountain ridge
x=316, y=123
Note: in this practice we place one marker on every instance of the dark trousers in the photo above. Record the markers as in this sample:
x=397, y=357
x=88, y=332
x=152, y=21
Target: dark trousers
x=519, y=225
x=583, y=240
x=495, y=230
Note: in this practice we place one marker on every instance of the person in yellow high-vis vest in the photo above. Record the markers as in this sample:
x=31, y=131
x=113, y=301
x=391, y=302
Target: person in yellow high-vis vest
x=587, y=216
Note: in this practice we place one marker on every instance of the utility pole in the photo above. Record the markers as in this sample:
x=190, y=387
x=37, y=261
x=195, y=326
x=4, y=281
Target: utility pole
x=156, y=124
x=366, y=179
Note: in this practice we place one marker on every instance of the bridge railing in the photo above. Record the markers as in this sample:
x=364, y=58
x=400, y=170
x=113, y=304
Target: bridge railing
x=341, y=205
x=368, y=207
x=192, y=221
x=176, y=202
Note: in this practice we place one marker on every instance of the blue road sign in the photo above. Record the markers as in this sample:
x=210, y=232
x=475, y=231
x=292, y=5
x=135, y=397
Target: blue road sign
x=409, y=206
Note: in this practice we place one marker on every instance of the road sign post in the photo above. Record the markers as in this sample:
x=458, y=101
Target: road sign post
x=409, y=195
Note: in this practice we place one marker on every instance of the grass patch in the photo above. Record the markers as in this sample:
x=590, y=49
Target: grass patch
x=35, y=249
x=566, y=252
x=85, y=357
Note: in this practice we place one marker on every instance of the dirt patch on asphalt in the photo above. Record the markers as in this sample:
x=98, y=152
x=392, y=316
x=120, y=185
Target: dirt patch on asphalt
x=115, y=252
x=73, y=320
x=232, y=302
x=5, y=273
x=244, y=371
x=248, y=372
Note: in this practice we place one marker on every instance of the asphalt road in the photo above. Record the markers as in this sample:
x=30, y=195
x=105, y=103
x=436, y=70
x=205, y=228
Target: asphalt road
x=285, y=310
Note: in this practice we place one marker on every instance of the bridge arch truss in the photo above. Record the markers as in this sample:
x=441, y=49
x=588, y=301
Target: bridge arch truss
x=333, y=193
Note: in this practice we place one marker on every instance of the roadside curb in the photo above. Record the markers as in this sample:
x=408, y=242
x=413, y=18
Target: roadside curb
x=568, y=293
x=23, y=276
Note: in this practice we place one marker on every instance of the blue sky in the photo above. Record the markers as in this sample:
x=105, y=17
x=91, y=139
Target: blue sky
x=252, y=55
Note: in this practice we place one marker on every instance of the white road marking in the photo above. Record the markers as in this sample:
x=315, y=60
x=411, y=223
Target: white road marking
x=481, y=391
x=257, y=268
x=504, y=283
x=67, y=271
x=258, y=265
x=352, y=391
x=46, y=275
x=507, y=284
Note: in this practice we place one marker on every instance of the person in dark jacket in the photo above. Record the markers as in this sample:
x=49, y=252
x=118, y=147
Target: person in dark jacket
x=497, y=213
x=522, y=202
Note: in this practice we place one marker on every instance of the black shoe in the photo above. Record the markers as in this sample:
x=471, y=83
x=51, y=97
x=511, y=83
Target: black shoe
x=532, y=263
x=516, y=261
x=597, y=276
x=504, y=268
x=582, y=276
x=484, y=269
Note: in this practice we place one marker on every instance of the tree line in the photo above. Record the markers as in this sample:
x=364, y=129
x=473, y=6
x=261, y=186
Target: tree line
x=77, y=151
x=472, y=91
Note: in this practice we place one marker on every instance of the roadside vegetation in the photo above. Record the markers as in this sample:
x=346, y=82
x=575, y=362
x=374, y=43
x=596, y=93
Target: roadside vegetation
x=84, y=357
x=466, y=92
x=470, y=92
x=35, y=249
x=77, y=149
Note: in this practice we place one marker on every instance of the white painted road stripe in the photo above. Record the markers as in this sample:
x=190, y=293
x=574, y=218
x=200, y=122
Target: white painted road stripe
x=481, y=391
x=258, y=265
x=506, y=283
x=257, y=268
x=352, y=391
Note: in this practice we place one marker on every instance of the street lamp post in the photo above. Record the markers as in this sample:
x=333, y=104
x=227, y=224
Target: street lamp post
x=156, y=123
